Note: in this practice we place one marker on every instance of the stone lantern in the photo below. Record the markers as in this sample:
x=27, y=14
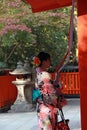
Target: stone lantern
x=28, y=88
x=23, y=78
x=28, y=69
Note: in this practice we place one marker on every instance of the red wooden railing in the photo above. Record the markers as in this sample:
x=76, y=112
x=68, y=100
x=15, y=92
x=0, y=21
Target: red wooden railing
x=70, y=82
x=8, y=91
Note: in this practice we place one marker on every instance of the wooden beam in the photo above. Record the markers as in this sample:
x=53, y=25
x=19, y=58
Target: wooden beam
x=82, y=49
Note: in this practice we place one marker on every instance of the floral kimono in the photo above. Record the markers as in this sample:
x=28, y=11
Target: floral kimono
x=48, y=100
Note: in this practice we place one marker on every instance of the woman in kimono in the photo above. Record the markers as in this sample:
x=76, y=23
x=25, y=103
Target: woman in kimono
x=45, y=94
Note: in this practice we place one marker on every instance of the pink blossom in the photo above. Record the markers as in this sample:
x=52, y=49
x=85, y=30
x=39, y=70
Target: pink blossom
x=14, y=3
x=61, y=15
x=13, y=27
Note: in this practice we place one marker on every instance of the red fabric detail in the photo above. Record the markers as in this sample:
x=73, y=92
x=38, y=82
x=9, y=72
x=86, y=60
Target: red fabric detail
x=63, y=126
x=43, y=5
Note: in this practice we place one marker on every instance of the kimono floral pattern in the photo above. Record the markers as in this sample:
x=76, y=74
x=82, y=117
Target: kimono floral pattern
x=48, y=103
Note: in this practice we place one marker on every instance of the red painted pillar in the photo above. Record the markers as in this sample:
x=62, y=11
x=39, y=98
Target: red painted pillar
x=82, y=48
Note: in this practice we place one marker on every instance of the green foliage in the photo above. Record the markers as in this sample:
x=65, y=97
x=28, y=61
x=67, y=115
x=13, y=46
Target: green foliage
x=50, y=39
x=8, y=39
x=49, y=32
x=17, y=45
x=3, y=65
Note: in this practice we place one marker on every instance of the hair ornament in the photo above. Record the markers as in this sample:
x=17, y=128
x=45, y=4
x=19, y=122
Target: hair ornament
x=36, y=61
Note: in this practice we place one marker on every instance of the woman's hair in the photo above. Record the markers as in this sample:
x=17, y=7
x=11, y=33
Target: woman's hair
x=43, y=56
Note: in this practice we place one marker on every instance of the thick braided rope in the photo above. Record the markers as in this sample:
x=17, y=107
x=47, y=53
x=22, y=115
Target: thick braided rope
x=70, y=41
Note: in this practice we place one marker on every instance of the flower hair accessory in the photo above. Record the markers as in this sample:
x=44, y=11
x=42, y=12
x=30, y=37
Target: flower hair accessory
x=36, y=61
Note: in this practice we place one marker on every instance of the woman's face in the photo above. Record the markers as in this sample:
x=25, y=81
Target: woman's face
x=47, y=63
